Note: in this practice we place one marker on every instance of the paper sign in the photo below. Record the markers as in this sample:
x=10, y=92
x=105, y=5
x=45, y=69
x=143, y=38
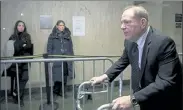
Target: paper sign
x=78, y=25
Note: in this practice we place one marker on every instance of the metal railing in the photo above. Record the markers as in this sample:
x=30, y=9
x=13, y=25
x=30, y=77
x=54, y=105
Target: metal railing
x=181, y=56
x=51, y=104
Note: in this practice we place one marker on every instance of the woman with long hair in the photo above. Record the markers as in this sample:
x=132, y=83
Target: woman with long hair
x=60, y=43
x=22, y=47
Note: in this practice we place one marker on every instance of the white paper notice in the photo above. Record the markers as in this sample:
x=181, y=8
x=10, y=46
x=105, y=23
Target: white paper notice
x=78, y=25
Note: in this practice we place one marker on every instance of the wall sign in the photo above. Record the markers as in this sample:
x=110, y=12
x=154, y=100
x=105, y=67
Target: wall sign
x=178, y=17
x=178, y=25
x=78, y=23
x=46, y=22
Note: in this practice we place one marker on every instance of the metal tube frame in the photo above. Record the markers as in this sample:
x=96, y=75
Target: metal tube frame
x=81, y=93
x=105, y=106
x=51, y=60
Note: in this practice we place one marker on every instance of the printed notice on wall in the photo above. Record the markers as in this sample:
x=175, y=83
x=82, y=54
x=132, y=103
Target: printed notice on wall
x=78, y=25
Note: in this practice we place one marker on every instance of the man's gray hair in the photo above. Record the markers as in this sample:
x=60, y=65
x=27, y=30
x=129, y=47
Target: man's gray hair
x=139, y=11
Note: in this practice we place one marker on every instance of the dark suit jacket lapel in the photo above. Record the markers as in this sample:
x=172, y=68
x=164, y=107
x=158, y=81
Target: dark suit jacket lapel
x=146, y=51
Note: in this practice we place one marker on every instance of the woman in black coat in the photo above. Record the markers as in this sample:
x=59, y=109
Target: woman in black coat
x=22, y=47
x=60, y=43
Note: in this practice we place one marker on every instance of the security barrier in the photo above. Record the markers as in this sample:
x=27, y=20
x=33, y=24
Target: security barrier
x=51, y=104
x=78, y=94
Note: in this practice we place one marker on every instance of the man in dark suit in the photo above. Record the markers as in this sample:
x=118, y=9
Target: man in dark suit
x=156, y=78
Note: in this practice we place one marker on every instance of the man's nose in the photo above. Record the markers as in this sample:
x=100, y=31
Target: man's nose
x=123, y=26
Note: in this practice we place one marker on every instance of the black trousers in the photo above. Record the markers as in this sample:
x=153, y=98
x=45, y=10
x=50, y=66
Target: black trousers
x=22, y=78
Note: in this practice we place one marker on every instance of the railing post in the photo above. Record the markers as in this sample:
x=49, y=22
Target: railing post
x=182, y=39
x=1, y=63
x=49, y=105
x=48, y=90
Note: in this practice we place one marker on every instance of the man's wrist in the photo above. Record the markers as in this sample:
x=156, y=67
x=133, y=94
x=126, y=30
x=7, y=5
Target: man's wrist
x=134, y=101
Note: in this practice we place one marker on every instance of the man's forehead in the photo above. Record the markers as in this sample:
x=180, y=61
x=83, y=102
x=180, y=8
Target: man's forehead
x=128, y=13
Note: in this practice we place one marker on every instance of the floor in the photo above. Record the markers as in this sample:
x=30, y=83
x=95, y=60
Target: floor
x=60, y=103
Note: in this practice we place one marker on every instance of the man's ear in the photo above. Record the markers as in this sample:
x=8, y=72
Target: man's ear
x=143, y=22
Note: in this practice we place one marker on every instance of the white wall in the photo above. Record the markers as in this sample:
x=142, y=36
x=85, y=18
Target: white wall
x=168, y=22
x=102, y=27
x=103, y=33
x=155, y=13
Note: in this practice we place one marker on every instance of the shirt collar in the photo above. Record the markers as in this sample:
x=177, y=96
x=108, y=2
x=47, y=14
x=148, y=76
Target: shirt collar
x=142, y=39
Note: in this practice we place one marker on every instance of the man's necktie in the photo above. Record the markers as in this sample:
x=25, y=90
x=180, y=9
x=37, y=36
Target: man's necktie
x=135, y=68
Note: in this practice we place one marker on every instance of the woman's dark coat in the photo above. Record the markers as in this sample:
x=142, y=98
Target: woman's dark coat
x=60, y=43
x=22, y=47
x=20, y=50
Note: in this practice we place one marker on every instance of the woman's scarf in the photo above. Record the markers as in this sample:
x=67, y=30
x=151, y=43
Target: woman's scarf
x=57, y=33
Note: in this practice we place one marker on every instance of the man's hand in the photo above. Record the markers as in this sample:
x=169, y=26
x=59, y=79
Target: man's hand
x=122, y=103
x=100, y=79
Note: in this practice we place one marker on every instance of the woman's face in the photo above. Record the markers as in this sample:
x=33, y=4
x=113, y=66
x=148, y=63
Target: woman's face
x=61, y=26
x=20, y=27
